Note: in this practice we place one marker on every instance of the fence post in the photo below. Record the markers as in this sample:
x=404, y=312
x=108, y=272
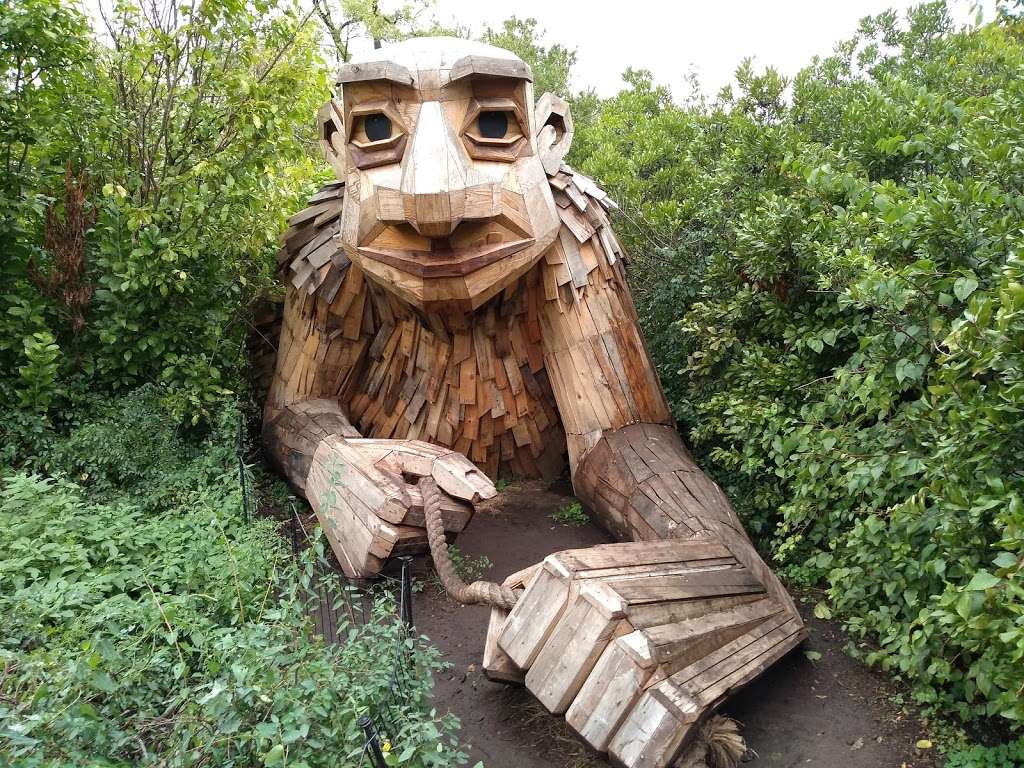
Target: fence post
x=405, y=604
x=240, y=453
x=293, y=522
x=372, y=742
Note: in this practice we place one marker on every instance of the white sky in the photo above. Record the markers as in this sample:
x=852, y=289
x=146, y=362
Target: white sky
x=672, y=38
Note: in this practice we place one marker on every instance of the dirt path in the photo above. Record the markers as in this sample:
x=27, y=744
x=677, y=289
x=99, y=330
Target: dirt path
x=829, y=713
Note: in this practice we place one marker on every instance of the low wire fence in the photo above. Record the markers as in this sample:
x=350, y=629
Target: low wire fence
x=338, y=602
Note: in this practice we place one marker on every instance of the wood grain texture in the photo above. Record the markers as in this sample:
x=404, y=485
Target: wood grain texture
x=367, y=509
x=558, y=352
x=293, y=435
x=642, y=484
x=498, y=665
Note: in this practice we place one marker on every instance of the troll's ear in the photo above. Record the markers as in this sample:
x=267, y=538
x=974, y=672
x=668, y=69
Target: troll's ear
x=554, y=131
x=331, y=131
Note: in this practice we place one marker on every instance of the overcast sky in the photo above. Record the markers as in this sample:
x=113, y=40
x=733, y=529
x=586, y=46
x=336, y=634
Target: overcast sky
x=671, y=38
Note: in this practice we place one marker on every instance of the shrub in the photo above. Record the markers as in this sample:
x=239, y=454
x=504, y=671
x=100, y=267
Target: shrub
x=1010, y=755
x=129, y=441
x=153, y=177
x=841, y=331
x=172, y=633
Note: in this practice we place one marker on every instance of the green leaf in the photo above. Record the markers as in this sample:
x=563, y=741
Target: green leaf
x=964, y=287
x=103, y=682
x=275, y=756
x=1006, y=560
x=982, y=580
x=407, y=753
x=822, y=611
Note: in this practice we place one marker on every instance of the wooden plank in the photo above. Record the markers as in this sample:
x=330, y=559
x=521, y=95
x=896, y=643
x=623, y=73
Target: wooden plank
x=651, y=735
x=534, y=616
x=497, y=665
x=646, y=615
x=592, y=619
x=577, y=223
x=573, y=259
x=345, y=527
x=603, y=559
x=611, y=691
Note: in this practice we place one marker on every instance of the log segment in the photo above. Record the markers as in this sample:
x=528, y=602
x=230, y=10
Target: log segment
x=642, y=484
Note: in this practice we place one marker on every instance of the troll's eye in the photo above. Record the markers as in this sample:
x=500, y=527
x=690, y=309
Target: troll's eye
x=377, y=136
x=493, y=124
x=494, y=129
x=377, y=127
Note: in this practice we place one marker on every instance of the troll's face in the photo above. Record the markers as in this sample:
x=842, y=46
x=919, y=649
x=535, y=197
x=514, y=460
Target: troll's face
x=446, y=199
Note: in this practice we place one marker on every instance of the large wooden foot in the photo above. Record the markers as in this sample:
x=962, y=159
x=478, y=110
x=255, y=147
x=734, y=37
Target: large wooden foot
x=637, y=643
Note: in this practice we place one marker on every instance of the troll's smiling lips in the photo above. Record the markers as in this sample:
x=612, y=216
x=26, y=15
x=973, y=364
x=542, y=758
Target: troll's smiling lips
x=443, y=258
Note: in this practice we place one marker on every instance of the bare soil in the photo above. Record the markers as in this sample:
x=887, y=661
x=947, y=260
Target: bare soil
x=830, y=712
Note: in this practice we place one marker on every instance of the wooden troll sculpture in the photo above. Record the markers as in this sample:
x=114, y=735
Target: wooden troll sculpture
x=457, y=311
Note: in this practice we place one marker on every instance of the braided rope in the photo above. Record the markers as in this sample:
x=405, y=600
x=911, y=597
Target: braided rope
x=479, y=592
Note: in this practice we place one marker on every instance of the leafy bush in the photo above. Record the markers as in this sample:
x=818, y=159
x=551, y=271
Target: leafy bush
x=156, y=627
x=1009, y=755
x=149, y=181
x=843, y=331
x=130, y=441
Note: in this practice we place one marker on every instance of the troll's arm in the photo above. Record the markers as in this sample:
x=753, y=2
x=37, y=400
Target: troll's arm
x=628, y=463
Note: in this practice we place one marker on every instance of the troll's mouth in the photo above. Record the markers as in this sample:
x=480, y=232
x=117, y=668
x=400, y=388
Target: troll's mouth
x=444, y=262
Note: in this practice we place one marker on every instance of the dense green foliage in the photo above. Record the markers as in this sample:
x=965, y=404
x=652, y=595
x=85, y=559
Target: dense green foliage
x=1010, y=755
x=148, y=172
x=843, y=331
x=148, y=624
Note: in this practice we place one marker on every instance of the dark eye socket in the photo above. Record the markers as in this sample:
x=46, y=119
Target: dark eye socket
x=377, y=127
x=493, y=124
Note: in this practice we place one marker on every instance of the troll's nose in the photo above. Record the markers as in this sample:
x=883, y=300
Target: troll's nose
x=435, y=175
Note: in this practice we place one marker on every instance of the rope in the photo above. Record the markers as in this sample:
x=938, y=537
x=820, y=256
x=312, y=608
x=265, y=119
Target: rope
x=718, y=744
x=482, y=592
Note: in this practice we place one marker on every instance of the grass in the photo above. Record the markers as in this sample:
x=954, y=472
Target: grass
x=571, y=514
x=467, y=567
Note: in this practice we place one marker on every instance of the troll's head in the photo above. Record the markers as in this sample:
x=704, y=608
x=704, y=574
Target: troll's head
x=444, y=154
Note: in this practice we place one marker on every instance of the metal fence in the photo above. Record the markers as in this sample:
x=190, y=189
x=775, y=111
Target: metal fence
x=337, y=601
